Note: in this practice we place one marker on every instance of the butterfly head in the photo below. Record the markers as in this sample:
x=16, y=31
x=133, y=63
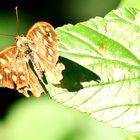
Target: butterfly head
x=22, y=44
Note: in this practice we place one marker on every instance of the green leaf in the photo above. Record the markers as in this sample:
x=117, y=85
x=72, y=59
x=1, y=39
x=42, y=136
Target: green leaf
x=130, y=3
x=109, y=48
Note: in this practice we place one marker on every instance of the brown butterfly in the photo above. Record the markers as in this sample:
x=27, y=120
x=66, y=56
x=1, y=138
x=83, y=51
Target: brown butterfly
x=40, y=46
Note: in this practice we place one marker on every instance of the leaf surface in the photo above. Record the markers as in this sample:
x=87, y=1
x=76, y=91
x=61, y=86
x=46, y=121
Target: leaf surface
x=109, y=48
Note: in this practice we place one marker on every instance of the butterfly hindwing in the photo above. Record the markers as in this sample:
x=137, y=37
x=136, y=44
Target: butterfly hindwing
x=12, y=68
x=15, y=72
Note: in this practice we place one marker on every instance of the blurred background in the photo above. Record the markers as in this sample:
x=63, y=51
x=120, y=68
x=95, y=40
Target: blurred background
x=41, y=118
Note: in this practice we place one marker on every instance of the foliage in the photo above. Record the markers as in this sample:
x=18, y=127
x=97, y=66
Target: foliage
x=130, y=3
x=106, y=50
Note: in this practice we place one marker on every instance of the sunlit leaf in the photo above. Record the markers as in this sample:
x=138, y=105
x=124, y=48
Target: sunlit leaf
x=109, y=48
x=130, y=3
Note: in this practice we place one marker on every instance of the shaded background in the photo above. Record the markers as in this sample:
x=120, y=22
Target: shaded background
x=20, y=115
x=59, y=12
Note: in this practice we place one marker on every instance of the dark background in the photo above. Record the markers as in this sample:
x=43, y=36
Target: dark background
x=57, y=12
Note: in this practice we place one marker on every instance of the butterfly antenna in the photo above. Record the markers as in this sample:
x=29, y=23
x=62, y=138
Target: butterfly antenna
x=16, y=9
x=6, y=35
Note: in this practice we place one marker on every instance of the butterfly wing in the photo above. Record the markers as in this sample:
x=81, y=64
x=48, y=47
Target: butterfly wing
x=33, y=86
x=15, y=73
x=43, y=40
x=12, y=68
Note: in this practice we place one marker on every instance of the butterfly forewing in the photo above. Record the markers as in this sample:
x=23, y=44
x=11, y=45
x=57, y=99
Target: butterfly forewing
x=43, y=40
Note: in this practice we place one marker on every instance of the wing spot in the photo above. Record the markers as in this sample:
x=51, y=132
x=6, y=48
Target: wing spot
x=39, y=35
x=45, y=42
x=36, y=38
x=49, y=58
x=1, y=77
x=42, y=30
x=2, y=61
x=9, y=58
x=50, y=39
x=20, y=69
x=22, y=77
x=6, y=70
x=14, y=77
x=47, y=29
x=50, y=51
x=43, y=52
x=14, y=69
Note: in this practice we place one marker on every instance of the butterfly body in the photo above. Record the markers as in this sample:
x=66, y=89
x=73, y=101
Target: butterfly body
x=40, y=46
x=24, y=46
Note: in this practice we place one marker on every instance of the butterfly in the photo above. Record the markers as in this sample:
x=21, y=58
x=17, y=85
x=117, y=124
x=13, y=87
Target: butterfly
x=40, y=46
